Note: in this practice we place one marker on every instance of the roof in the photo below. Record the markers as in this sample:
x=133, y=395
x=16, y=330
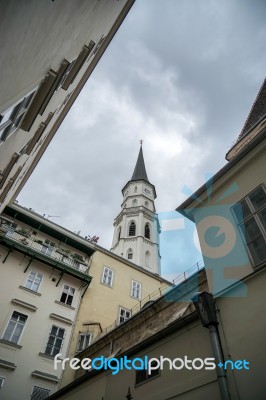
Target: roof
x=258, y=110
x=189, y=201
x=140, y=170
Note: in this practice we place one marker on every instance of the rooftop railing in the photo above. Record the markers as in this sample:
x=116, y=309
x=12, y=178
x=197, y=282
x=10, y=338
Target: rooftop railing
x=162, y=291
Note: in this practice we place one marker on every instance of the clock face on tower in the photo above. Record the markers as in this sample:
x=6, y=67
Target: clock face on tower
x=146, y=191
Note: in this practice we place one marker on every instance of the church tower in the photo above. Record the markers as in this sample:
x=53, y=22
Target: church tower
x=136, y=228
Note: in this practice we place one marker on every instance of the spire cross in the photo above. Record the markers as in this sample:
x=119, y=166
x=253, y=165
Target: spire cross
x=141, y=141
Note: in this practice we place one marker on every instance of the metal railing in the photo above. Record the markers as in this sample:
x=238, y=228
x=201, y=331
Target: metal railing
x=43, y=249
x=162, y=291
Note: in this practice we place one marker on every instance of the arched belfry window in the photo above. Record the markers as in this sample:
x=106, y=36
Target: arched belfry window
x=119, y=233
x=130, y=254
x=132, y=229
x=147, y=232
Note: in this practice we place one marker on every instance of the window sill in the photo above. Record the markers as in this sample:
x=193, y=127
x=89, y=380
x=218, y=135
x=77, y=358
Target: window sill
x=12, y=344
x=29, y=291
x=135, y=298
x=48, y=356
x=23, y=304
x=64, y=305
x=45, y=376
x=7, y=365
x=105, y=284
x=61, y=319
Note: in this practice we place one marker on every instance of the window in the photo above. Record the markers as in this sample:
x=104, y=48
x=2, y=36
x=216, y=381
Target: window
x=143, y=376
x=132, y=229
x=136, y=290
x=107, y=278
x=12, y=118
x=15, y=327
x=11, y=229
x=250, y=214
x=147, y=259
x=33, y=281
x=55, y=341
x=39, y=393
x=84, y=341
x=124, y=315
x=135, y=189
x=2, y=380
x=47, y=247
x=67, y=295
x=134, y=202
x=130, y=254
x=119, y=233
x=147, y=232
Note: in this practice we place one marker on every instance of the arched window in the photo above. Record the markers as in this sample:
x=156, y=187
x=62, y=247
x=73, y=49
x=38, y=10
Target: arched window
x=147, y=259
x=119, y=233
x=136, y=188
x=147, y=232
x=132, y=229
x=134, y=202
x=130, y=254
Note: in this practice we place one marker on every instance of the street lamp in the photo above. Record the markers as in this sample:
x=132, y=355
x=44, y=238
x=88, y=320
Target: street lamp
x=205, y=307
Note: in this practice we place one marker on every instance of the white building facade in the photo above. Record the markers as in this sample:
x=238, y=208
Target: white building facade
x=42, y=285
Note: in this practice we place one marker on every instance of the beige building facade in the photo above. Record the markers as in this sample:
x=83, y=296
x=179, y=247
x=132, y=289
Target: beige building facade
x=59, y=293
x=230, y=220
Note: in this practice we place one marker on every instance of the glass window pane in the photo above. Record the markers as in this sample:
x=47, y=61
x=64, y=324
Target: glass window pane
x=258, y=198
x=262, y=217
x=257, y=249
x=242, y=211
x=250, y=230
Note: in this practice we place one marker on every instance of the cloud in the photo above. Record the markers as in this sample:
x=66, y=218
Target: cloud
x=182, y=76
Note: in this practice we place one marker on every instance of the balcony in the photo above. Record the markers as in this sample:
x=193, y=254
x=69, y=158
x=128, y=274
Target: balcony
x=38, y=250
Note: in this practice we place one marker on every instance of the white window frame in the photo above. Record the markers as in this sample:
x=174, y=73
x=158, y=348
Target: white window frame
x=107, y=276
x=123, y=314
x=136, y=290
x=34, y=281
x=130, y=254
x=69, y=291
x=253, y=214
x=48, y=392
x=17, y=324
x=11, y=119
x=55, y=337
x=47, y=247
x=85, y=342
x=2, y=381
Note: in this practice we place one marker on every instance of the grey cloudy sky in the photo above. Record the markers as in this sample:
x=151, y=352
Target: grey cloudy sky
x=181, y=75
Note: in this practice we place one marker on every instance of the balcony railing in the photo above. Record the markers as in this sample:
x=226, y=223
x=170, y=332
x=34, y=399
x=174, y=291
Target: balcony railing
x=43, y=249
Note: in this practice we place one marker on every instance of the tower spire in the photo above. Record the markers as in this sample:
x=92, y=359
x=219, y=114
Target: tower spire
x=140, y=170
x=137, y=228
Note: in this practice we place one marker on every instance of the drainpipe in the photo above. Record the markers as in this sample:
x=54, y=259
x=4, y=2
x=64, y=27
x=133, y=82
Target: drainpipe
x=205, y=307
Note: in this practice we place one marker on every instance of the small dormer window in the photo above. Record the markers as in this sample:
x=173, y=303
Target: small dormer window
x=130, y=254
